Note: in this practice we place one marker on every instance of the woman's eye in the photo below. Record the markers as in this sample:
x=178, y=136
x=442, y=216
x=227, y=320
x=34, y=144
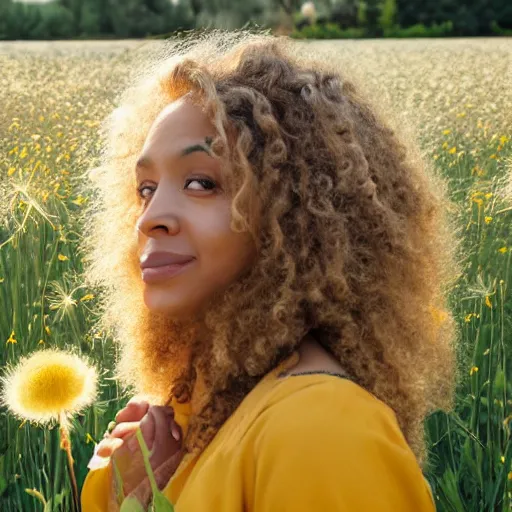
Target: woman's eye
x=201, y=184
x=205, y=183
x=141, y=191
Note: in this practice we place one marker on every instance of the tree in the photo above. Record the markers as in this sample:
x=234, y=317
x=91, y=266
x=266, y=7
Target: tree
x=372, y=13
x=388, y=14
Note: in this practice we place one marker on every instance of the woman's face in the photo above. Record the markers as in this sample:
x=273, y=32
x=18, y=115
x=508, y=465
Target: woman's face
x=187, y=213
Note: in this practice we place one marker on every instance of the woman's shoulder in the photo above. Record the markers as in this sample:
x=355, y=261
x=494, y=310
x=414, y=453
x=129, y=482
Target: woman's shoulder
x=315, y=396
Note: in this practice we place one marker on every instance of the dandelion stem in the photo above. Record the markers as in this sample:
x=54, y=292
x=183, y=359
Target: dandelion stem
x=65, y=444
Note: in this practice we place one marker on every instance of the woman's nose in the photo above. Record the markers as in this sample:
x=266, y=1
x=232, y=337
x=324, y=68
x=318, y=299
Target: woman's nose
x=159, y=215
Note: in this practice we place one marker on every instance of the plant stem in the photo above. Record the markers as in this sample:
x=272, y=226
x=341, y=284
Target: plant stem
x=65, y=444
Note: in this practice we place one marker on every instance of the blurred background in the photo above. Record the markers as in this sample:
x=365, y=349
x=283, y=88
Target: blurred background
x=323, y=19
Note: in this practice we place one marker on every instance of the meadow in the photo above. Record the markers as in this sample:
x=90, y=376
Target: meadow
x=454, y=97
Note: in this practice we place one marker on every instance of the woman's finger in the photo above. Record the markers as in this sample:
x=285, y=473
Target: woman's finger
x=107, y=447
x=134, y=411
x=124, y=429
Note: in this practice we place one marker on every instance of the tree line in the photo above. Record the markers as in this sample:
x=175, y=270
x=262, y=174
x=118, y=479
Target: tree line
x=65, y=19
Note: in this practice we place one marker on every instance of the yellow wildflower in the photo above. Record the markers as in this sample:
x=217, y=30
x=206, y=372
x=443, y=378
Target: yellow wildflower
x=474, y=369
x=488, y=220
x=47, y=329
x=62, y=257
x=453, y=150
x=11, y=171
x=488, y=302
x=11, y=339
x=89, y=296
x=447, y=132
x=503, y=250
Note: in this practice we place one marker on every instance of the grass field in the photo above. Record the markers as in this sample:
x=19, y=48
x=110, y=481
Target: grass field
x=453, y=96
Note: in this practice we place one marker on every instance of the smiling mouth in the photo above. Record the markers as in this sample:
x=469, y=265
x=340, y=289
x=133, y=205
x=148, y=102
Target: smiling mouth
x=164, y=272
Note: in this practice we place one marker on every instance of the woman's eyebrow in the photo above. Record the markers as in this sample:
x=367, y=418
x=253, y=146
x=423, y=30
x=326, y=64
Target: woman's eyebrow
x=195, y=147
x=146, y=162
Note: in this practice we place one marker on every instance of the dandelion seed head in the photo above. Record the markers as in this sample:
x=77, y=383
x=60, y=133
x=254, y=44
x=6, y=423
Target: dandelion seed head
x=48, y=384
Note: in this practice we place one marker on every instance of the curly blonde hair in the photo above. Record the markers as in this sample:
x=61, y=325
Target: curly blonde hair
x=353, y=241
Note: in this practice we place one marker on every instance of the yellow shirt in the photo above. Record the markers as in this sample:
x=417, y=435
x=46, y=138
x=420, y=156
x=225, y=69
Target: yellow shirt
x=307, y=442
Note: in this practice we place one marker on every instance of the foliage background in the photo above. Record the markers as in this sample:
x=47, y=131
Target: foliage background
x=92, y=19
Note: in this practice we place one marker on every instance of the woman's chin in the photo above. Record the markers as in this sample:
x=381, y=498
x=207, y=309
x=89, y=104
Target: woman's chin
x=158, y=301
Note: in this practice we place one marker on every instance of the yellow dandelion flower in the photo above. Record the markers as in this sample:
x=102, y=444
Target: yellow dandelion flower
x=503, y=250
x=474, y=369
x=488, y=302
x=488, y=220
x=62, y=257
x=11, y=339
x=89, y=296
x=488, y=195
x=447, y=132
x=47, y=329
x=445, y=145
x=493, y=157
x=11, y=171
x=453, y=150
x=49, y=384
x=41, y=342
x=503, y=139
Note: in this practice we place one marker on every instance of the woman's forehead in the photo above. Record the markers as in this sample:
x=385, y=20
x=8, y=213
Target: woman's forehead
x=181, y=118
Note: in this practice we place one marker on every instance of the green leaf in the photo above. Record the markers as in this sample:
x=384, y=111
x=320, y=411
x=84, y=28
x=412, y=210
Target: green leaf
x=147, y=464
x=54, y=504
x=161, y=503
x=131, y=505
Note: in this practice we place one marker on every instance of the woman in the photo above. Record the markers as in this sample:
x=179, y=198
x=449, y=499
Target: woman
x=276, y=264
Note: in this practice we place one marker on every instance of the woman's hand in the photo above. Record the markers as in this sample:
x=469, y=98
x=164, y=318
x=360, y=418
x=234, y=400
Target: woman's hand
x=162, y=436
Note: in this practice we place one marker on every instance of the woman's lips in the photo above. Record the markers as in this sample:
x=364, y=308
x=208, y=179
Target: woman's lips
x=156, y=274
